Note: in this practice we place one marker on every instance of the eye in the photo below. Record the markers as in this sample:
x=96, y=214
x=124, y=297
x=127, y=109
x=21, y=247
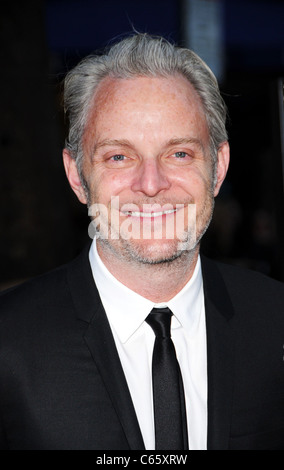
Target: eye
x=118, y=158
x=180, y=154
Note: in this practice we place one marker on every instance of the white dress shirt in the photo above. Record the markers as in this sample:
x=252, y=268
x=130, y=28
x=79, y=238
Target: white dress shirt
x=134, y=338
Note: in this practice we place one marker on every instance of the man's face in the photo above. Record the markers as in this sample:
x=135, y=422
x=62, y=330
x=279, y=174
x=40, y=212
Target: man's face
x=147, y=145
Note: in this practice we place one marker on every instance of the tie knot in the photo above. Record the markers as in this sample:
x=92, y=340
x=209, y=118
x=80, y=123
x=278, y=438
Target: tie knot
x=160, y=321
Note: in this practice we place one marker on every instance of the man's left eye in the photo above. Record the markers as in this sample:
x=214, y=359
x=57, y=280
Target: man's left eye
x=180, y=154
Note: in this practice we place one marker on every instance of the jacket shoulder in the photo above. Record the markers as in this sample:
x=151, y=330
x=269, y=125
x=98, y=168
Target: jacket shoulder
x=238, y=275
x=45, y=292
x=249, y=280
x=248, y=290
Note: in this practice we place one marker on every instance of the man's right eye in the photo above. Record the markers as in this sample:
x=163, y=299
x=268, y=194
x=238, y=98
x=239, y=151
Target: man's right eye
x=118, y=158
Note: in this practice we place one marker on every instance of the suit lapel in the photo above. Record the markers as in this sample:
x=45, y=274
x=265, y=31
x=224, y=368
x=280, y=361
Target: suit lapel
x=100, y=342
x=220, y=340
x=220, y=348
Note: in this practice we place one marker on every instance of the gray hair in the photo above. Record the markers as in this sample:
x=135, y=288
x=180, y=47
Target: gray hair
x=140, y=55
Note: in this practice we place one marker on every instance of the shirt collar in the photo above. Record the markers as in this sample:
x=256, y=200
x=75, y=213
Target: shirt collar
x=126, y=310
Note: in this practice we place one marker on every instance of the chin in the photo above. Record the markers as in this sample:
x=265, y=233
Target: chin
x=154, y=252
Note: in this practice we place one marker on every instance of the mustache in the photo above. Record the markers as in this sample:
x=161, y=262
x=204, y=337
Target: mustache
x=165, y=202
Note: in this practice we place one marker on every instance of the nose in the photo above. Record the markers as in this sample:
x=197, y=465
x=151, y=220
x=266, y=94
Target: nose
x=150, y=179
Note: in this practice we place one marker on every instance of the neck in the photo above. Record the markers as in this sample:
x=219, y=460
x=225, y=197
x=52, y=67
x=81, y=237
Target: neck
x=156, y=282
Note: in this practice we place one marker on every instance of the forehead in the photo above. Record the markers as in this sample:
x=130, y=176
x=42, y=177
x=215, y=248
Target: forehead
x=142, y=90
x=121, y=104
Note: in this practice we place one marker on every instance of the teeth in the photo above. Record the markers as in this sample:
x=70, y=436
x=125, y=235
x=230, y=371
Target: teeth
x=149, y=214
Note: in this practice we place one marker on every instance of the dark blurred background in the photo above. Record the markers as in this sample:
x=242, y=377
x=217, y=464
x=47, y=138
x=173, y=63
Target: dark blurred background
x=42, y=224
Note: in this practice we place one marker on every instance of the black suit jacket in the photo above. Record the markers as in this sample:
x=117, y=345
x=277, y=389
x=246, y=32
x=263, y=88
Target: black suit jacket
x=62, y=385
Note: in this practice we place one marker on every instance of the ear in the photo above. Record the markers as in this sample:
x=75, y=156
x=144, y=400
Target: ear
x=73, y=176
x=222, y=165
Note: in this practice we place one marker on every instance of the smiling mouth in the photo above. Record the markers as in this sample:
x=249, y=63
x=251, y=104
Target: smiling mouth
x=148, y=215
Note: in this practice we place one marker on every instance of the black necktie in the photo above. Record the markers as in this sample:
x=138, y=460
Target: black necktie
x=168, y=394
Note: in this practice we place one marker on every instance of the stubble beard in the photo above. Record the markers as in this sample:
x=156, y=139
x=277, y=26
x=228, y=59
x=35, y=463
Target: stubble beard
x=168, y=253
x=126, y=250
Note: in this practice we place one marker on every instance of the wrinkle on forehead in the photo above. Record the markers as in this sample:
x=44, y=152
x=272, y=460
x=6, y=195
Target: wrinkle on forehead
x=113, y=95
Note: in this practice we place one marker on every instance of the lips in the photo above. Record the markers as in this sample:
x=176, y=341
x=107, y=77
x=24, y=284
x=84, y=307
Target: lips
x=148, y=215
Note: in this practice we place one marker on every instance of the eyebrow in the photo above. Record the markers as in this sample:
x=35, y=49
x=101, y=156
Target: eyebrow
x=111, y=143
x=127, y=143
x=184, y=141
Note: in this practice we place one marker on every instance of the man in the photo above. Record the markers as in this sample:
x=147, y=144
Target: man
x=147, y=150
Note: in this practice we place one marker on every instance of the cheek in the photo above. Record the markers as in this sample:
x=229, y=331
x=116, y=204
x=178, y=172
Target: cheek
x=116, y=182
x=194, y=181
x=106, y=184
